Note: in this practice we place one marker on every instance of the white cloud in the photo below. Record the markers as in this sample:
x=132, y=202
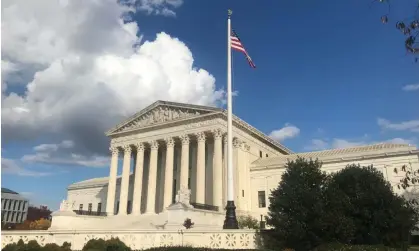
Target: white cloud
x=411, y=125
x=336, y=143
x=155, y=7
x=287, y=132
x=62, y=154
x=10, y=166
x=414, y=87
x=90, y=72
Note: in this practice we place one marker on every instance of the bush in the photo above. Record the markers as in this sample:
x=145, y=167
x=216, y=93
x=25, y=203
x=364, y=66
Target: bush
x=34, y=246
x=247, y=221
x=344, y=247
x=353, y=206
x=113, y=244
x=296, y=206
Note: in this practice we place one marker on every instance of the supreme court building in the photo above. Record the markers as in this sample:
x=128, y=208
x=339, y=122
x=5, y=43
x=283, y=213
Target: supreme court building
x=168, y=146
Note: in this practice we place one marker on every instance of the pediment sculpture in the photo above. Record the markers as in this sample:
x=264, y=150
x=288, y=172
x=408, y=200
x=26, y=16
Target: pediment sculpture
x=161, y=114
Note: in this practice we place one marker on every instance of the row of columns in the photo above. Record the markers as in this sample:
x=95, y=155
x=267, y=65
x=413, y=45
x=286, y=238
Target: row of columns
x=168, y=169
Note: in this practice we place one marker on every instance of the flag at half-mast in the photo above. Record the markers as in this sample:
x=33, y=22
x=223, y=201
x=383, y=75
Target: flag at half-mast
x=237, y=45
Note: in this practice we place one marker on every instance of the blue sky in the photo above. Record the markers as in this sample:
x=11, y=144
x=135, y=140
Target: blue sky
x=329, y=74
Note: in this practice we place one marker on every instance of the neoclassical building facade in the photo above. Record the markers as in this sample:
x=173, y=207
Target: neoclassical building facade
x=169, y=146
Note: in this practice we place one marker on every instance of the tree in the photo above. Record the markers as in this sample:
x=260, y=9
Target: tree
x=409, y=27
x=296, y=206
x=368, y=203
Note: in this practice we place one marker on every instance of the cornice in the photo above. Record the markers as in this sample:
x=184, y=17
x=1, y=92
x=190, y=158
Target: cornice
x=340, y=159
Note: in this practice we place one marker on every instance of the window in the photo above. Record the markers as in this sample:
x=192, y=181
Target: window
x=267, y=155
x=129, y=209
x=89, y=207
x=189, y=183
x=20, y=204
x=117, y=207
x=5, y=203
x=10, y=204
x=99, y=207
x=81, y=207
x=262, y=199
x=14, y=205
x=260, y=154
x=242, y=193
x=174, y=191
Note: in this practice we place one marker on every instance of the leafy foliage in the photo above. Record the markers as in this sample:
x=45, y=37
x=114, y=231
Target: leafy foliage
x=409, y=27
x=345, y=247
x=353, y=206
x=296, y=206
x=113, y=244
x=188, y=223
x=247, y=221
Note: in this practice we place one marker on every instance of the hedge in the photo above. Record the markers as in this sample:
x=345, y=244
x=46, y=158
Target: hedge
x=117, y=245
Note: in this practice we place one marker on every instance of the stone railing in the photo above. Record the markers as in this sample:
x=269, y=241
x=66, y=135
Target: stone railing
x=138, y=239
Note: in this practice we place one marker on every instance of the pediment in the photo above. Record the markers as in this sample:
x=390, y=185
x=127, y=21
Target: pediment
x=162, y=112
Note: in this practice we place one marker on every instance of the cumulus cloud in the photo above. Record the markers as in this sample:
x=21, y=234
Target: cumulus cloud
x=411, y=125
x=287, y=132
x=90, y=72
x=10, y=166
x=413, y=87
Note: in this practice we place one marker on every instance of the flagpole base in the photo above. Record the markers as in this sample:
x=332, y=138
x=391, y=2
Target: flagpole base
x=230, y=221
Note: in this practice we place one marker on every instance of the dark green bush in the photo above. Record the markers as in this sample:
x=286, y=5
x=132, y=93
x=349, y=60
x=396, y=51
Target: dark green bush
x=344, y=247
x=113, y=244
x=34, y=246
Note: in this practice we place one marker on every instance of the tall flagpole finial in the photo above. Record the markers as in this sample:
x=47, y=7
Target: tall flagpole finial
x=230, y=12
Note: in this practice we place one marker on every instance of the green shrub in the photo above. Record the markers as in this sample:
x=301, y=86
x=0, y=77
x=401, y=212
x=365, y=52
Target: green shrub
x=113, y=244
x=345, y=247
x=34, y=246
x=247, y=221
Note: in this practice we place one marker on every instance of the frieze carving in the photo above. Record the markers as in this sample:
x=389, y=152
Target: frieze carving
x=237, y=142
x=160, y=114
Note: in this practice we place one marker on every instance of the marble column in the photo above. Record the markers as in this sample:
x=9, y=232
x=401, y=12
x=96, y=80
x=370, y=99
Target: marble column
x=168, y=176
x=200, y=169
x=217, y=170
x=123, y=194
x=110, y=201
x=152, y=178
x=138, y=180
x=184, y=162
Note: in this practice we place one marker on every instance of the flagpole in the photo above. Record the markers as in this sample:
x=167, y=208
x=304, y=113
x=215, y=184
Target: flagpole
x=230, y=221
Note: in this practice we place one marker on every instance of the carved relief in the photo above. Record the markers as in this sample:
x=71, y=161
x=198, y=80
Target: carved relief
x=185, y=139
x=160, y=114
x=237, y=142
x=218, y=133
x=139, y=146
x=154, y=145
x=200, y=136
x=231, y=240
x=244, y=240
x=215, y=241
x=169, y=142
x=127, y=149
x=114, y=150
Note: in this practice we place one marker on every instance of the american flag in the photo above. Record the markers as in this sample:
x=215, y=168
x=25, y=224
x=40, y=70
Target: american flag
x=237, y=45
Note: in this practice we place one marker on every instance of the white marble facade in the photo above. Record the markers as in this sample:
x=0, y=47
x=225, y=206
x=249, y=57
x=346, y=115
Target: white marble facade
x=170, y=145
